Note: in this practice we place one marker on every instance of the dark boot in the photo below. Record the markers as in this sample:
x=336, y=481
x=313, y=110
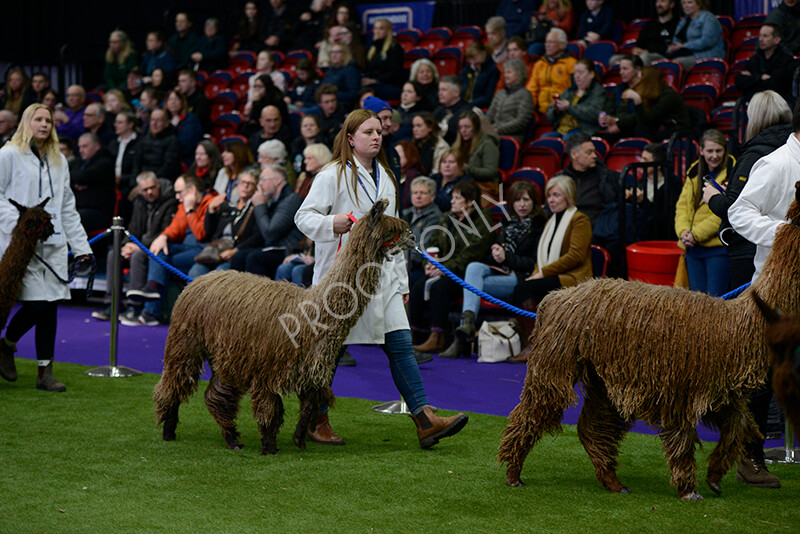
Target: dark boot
x=460, y=348
x=423, y=357
x=467, y=329
x=45, y=380
x=8, y=369
x=753, y=470
x=431, y=428
x=323, y=433
x=434, y=343
x=526, y=325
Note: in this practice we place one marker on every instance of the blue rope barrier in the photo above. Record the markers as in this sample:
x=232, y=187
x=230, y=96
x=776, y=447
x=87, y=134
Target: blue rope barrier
x=478, y=292
x=733, y=294
x=161, y=262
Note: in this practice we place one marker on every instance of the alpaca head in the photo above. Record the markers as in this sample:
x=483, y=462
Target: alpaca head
x=34, y=222
x=392, y=234
x=783, y=335
x=794, y=209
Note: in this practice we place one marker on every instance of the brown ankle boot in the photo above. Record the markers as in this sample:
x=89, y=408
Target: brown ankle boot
x=522, y=357
x=323, y=433
x=431, y=428
x=434, y=343
x=8, y=369
x=753, y=470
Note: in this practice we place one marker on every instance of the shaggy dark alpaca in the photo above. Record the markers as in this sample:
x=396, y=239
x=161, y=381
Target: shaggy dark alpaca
x=667, y=356
x=270, y=338
x=783, y=337
x=34, y=225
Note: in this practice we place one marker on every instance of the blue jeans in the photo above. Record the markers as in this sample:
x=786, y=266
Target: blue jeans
x=291, y=271
x=181, y=256
x=198, y=269
x=405, y=371
x=709, y=269
x=480, y=276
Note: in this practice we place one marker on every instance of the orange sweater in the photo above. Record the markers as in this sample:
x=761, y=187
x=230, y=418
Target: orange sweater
x=176, y=231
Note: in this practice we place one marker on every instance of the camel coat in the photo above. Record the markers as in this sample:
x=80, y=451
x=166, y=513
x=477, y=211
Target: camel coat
x=21, y=180
x=575, y=264
x=385, y=312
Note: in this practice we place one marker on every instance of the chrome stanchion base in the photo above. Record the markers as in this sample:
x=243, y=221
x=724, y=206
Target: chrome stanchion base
x=789, y=454
x=398, y=407
x=783, y=456
x=113, y=371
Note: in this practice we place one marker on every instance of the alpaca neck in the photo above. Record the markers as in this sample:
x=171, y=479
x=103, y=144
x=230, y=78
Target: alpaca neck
x=779, y=281
x=18, y=254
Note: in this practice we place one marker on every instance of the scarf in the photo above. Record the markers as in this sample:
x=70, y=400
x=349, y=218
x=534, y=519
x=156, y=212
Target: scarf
x=515, y=233
x=553, y=236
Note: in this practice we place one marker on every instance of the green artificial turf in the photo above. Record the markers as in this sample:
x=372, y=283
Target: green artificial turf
x=92, y=460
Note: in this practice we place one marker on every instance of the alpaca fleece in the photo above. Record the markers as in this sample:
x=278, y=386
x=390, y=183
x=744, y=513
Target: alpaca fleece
x=34, y=225
x=233, y=321
x=667, y=356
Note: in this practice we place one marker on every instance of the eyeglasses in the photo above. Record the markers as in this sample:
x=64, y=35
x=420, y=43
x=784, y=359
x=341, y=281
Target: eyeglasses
x=247, y=183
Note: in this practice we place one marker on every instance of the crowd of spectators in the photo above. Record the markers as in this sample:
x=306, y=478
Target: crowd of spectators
x=156, y=136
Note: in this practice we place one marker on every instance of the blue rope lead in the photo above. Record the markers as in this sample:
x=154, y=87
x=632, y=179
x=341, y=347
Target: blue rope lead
x=735, y=293
x=161, y=262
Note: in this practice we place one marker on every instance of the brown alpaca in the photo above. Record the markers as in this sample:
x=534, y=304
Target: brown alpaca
x=667, y=356
x=783, y=337
x=241, y=323
x=32, y=226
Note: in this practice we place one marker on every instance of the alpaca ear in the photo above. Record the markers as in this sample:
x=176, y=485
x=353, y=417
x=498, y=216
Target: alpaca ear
x=377, y=210
x=43, y=202
x=770, y=314
x=14, y=203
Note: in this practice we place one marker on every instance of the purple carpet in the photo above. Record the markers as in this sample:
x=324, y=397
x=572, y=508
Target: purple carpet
x=459, y=384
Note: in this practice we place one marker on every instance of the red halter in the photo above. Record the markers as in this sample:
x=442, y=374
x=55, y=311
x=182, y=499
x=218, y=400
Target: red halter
x=385, y=244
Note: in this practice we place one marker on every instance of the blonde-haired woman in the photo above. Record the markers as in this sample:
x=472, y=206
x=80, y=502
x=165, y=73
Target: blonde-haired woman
x=315, y=157
x=33, y=170
x=563, y=255
x=357, y=177
x=384, y=71
x=121, y=59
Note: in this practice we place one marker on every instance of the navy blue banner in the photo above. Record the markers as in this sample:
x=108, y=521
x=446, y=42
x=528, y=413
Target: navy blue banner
x=749, y=7
x=408, y=15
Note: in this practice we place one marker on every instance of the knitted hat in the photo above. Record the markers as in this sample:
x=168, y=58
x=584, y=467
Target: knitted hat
x=373, y=103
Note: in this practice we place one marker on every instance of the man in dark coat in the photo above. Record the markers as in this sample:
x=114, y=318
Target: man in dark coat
x=160, y=149
x=92, y=182
x=770, y=67
x=153, y=209
x=450, y=107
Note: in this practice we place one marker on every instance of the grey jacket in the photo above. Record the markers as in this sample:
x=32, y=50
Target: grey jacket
x=511, y=112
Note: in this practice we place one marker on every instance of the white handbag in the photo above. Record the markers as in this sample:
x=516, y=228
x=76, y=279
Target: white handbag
x=497, y=341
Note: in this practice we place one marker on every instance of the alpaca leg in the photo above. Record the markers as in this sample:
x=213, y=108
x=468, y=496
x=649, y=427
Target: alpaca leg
x=540, y=410
x=736, y=427
x=268, y=413
x=223, y=404
x=601, y=429
x=679, y=444
x=183, y=362
x=310, y=402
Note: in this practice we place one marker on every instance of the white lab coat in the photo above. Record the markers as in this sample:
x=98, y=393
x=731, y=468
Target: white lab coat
x=26, y=182
x=385, y=313
x=765, y=199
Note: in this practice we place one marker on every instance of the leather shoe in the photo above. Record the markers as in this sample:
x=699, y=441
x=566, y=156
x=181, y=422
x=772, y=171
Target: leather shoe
x=431, y=428
x=323, y=433
x=522, y=357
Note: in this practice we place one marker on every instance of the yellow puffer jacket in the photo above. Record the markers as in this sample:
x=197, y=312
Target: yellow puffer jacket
x=548, y=79
x=703, y=224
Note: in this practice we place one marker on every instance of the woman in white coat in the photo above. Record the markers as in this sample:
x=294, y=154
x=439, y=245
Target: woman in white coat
x=357, y=176
x=32, y=169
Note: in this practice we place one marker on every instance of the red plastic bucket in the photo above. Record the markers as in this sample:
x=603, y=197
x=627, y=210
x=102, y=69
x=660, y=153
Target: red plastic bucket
x=654, y=262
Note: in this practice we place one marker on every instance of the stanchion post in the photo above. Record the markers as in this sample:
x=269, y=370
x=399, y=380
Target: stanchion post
x=114, y=278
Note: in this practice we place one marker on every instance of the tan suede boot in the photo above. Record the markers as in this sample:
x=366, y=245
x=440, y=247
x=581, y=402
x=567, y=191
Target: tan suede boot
x=431, y=428
x=434, y=343
x=323, y=433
